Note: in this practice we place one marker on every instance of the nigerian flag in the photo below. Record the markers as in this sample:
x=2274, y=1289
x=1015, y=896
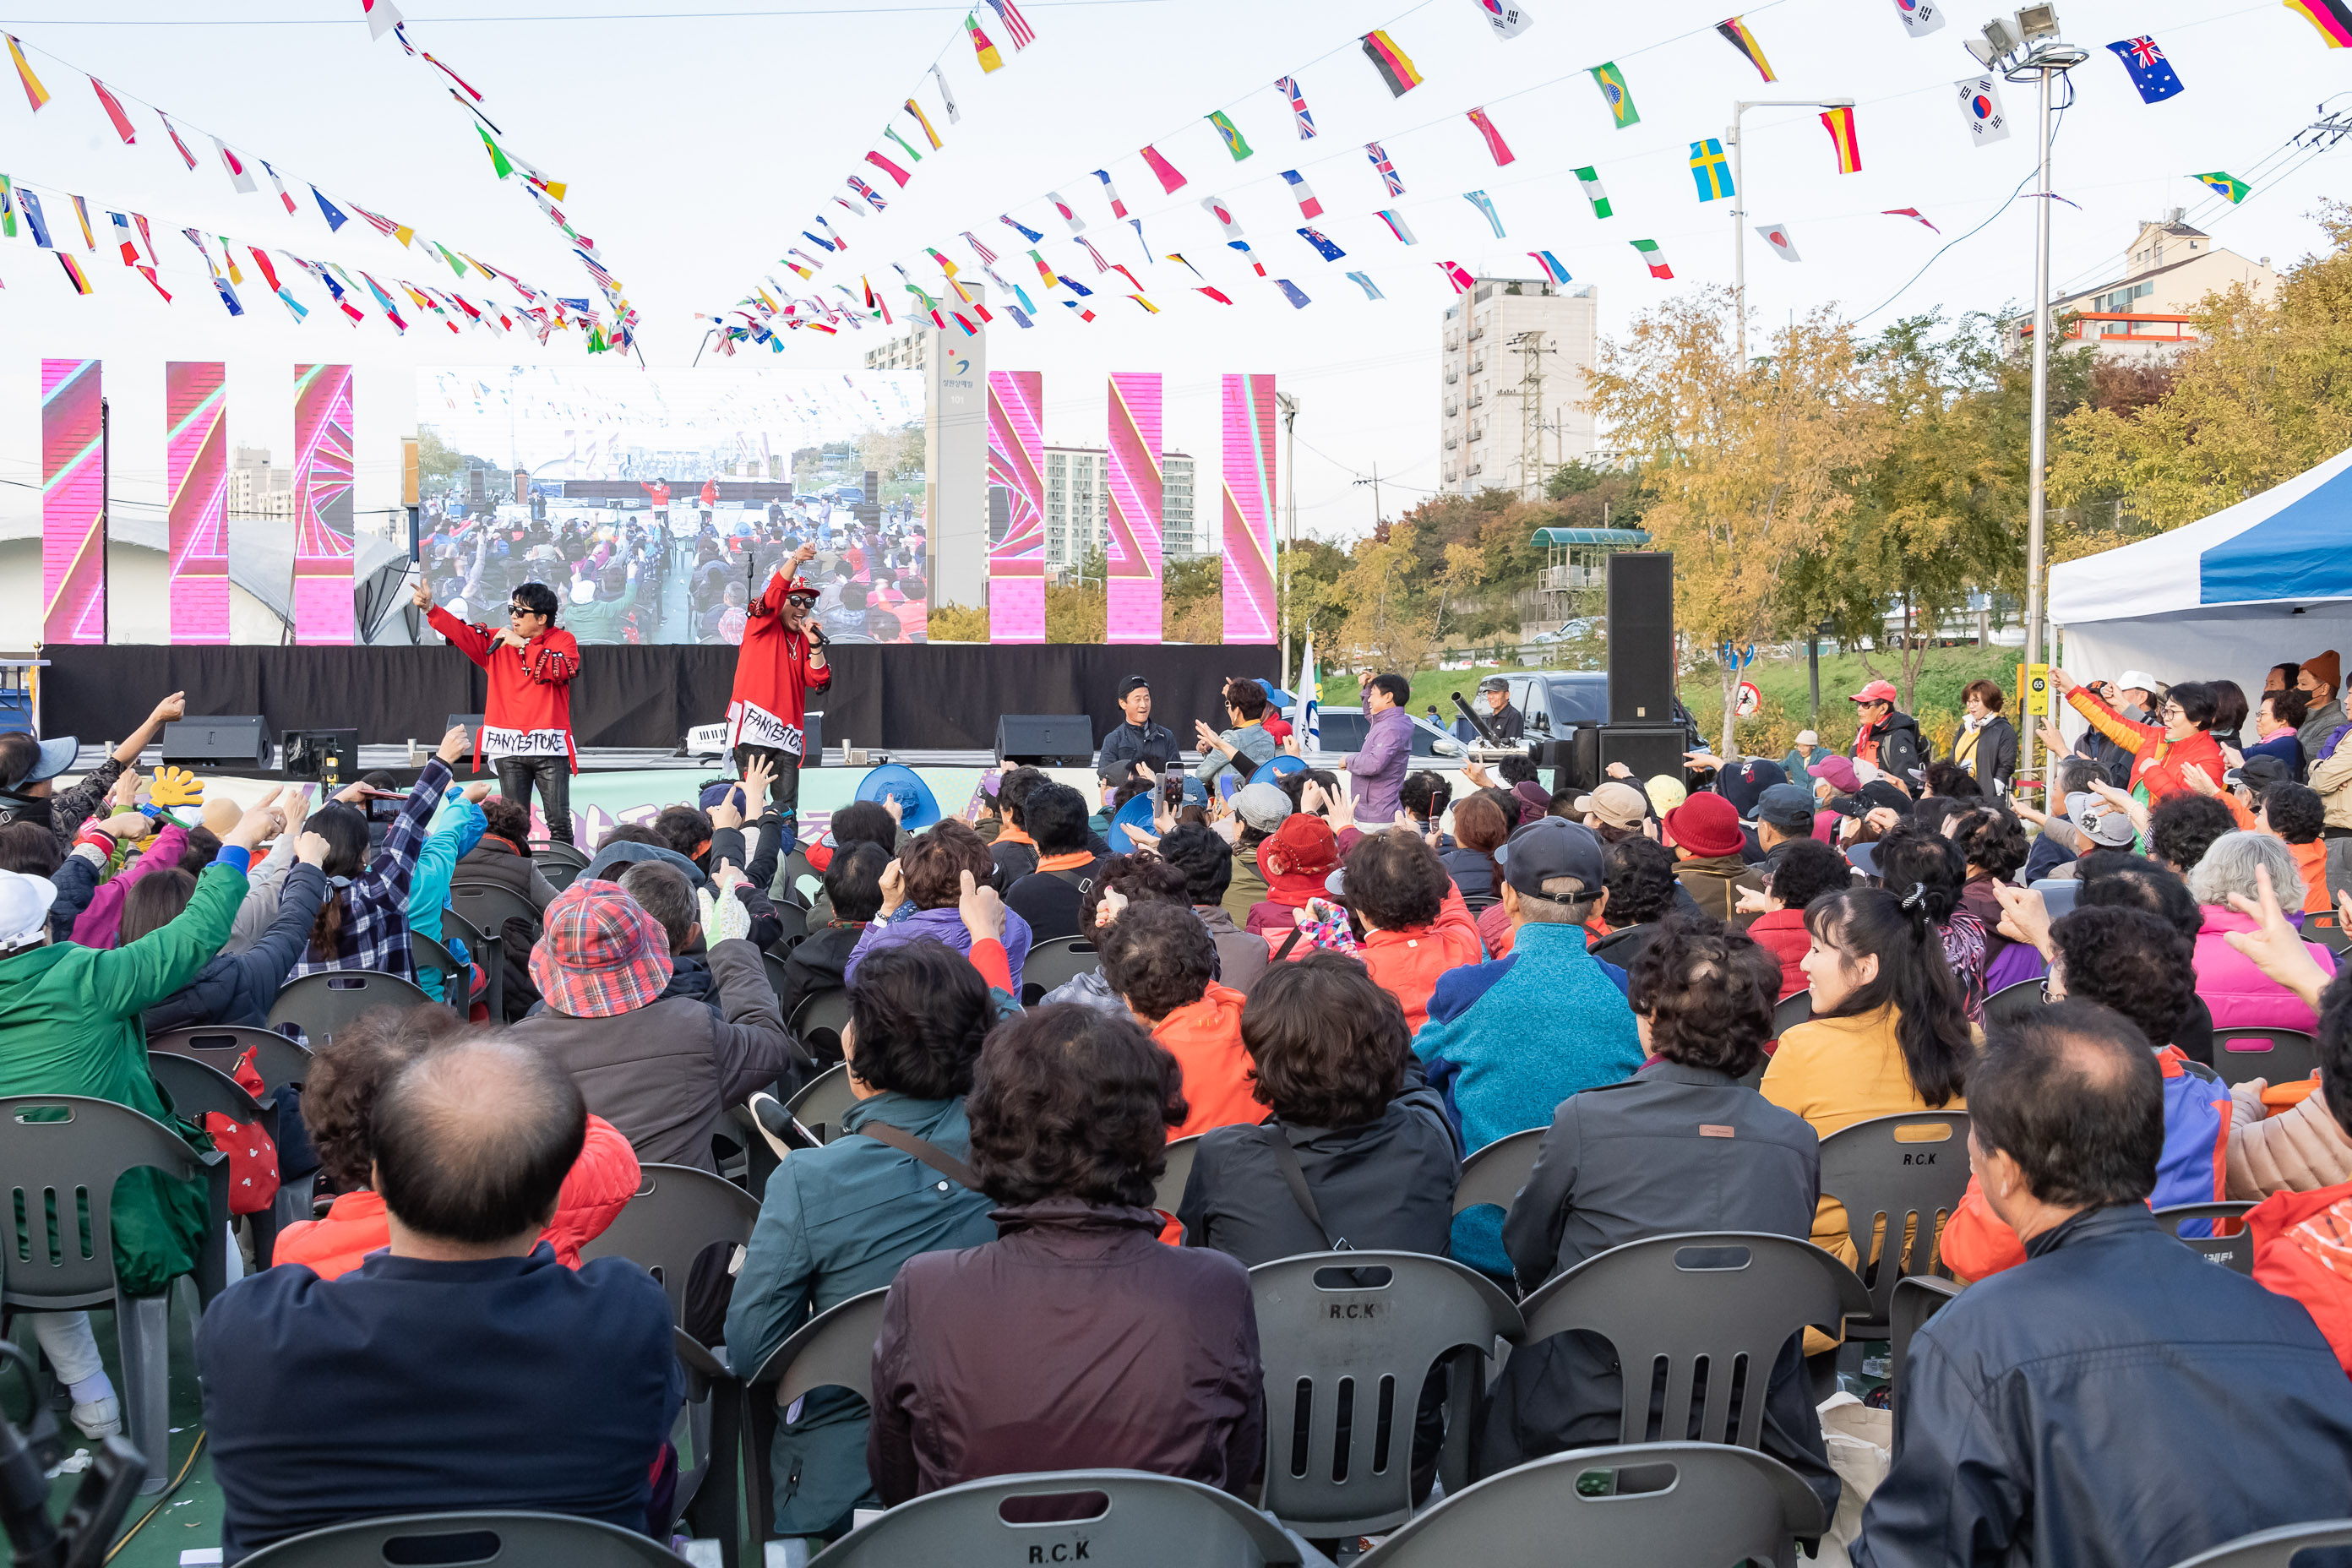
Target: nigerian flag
x=1589, y=178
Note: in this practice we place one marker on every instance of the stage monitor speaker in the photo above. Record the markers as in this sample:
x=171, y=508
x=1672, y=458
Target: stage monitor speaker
x=1046, y=740
x=1647, y=749
x=228, y=740
x=1642, y=638
x=813, y=739
x=321, y=754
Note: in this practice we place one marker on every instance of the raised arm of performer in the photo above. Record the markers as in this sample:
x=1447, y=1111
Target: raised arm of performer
x=526, y=715
x=780, y=661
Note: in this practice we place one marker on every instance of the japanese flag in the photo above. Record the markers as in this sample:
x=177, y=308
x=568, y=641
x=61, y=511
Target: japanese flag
x=1776, y=237
x=382, y=17
x=1979, y=100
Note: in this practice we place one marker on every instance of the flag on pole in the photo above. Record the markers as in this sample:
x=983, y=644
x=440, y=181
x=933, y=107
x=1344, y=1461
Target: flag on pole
x=1309, y=207
x=946, y=97
x=990, y=60
x=1508, y=19
x=174, y=132
x=2149, y=71
x=1329, y=251
x=1389, y=177
x=1777, y=240
x=1171, y=181
x=1649, y=251
x=1912, y=213
x=1110, y=192
x=1980, y=100
x=114, y=112
x=1710, y=171
x=35, y=94
x=1486, y=205
x=1307, y=708
x=1023, y=229
x=1235, y=143
x=2226, y=185
x=1552, y=269
x=1288, y=87
x=238, y=175
x=1839, y=123
x=1454, y=274
x=1589, y=178
x=1735, y=33
x=2331, y=17
x=925, y=122
x=1394, y=65
x=1397, y=225
x=1364, y=281
x=1016, y=25
x=1612, y=83
x=888, y=167
x=1919, y=17
x=1499, y=148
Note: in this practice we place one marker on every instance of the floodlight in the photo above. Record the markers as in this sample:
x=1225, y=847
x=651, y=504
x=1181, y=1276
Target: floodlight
x=1982, y=51
x=2000, y=38
x=2038, y=21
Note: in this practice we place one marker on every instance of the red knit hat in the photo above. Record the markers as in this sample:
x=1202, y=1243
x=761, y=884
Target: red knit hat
x=1705, y=824
x=600, y=954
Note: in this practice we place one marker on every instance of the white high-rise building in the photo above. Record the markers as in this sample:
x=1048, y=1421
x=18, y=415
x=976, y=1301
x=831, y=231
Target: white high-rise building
x=1077, y=507
x=1485, y=438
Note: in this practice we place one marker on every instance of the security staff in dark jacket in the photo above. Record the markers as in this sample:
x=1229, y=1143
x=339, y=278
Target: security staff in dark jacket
x=2116, y=1399
x=1681, y=1146
x=1139, y=740
x=1506, y=723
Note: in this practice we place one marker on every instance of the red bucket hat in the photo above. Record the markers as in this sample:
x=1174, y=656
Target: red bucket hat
x=602, y=953
x=1705, y=824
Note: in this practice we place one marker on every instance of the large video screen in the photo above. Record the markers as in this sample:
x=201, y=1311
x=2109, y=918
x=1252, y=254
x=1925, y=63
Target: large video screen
x=657, y=503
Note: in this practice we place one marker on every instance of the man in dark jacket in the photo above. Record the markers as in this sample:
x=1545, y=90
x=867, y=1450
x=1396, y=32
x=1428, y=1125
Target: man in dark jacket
x=1049, y=896
x=503, y=854
x=1138, y=739
x=2116, y=1399
x=1888, y=740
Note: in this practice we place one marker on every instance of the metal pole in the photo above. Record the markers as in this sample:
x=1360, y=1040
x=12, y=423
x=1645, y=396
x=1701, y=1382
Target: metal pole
x=2038, y=460
x=1289, y=406
x=106, y=522
x=1738, y=239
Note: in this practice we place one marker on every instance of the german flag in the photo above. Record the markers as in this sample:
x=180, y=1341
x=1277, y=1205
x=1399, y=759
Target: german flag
x=2331, y=17
x=73, y=271
x=1393, y=64
x=1839, y=123
x=1737, y=33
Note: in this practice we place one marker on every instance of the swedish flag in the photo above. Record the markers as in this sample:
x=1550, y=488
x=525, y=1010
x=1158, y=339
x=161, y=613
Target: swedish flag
x=1710, y=170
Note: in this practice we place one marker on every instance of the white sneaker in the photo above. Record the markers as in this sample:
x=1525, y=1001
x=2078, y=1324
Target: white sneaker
x=100, y=1417
x=772, y=1121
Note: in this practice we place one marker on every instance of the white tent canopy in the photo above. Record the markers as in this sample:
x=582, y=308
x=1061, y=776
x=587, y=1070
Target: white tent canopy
x=2261, y=582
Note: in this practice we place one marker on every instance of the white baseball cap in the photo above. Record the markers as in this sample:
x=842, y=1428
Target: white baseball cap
x=25, y=903
x=2140, y=679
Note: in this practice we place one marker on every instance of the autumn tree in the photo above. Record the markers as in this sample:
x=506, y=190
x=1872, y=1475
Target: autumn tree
x=1747, y=470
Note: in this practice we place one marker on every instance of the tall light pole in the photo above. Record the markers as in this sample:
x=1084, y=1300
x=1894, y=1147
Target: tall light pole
x=1740, y=195
x=2031, y=47
x=1288, y=405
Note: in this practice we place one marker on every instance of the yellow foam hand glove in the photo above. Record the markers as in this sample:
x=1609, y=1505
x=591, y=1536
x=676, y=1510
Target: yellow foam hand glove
x=176, y=787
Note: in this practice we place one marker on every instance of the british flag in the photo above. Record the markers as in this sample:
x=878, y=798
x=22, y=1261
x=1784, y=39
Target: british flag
x=1289, y=88
x=1379, y=156
x=1016, y=25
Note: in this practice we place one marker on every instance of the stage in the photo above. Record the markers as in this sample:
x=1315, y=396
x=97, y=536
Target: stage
x=930, y=698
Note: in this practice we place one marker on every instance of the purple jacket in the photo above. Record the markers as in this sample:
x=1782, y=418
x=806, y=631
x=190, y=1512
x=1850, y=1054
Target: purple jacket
x=100, y=925
x=947, y=925
x=1380, y=767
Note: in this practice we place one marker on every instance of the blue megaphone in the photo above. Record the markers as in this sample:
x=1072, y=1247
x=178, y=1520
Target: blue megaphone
x=1274, y=770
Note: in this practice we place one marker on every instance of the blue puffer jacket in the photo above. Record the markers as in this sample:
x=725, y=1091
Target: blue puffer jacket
x=237, y=988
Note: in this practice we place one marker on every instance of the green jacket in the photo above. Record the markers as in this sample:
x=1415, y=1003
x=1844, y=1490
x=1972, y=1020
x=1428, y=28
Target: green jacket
x=69, y=1025
x=600, y=620
x=837, y=1222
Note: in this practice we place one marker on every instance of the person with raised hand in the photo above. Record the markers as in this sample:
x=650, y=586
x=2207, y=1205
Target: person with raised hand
x=29, y=768
x=527, y=716
x=363, y=923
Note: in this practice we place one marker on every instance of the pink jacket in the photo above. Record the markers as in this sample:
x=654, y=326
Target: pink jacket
x=2239, y=995
x=100, y=925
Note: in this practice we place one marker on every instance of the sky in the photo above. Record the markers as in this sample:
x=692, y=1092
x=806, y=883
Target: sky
x=698, y=138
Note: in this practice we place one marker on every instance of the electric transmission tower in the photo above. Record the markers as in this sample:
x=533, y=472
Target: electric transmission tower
x=1532, y=347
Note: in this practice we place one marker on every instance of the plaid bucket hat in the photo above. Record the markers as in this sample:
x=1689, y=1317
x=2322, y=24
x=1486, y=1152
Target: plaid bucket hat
x=602, y=953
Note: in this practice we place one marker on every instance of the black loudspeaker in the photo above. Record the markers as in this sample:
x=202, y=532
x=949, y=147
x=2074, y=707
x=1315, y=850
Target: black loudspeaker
x=1648, y=750
x=1046, y=740
x=1642, y=638
x=813, y=739
x=472, y=722
x=229, y=740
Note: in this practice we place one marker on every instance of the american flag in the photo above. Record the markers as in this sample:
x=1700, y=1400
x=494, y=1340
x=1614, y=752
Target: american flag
x=987, y=256
x=1016, y=25
x=1100, y=265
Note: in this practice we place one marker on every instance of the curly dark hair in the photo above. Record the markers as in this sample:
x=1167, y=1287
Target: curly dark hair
x=2182, y=828
x=686, y=830
x=1395, y=880
x=30, y=848
x=2290, y=707
x=863, y=822
x=1157, y=957
x=1205, y=860
x=507, y=819
x=1910, y=856
x=349, y=1070
x=917, y=1014
x=2132, y=962
x=934, y=859
x=1328, y=1044
x=1142, y=878
x=1640, y=876
x=1806, y=870
x=1949, y=780
x=1425, y=795
x=853, y=882
x=1515, y=771
x=2293, y=811
x=1071, y=1101
x=1992, y=841
x=2115, y=878
x=1013, y=789
x=1247, y=697
x=1707, y=992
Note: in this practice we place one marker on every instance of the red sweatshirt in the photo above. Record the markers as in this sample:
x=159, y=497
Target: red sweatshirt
x=528, y=711
x=774, y=672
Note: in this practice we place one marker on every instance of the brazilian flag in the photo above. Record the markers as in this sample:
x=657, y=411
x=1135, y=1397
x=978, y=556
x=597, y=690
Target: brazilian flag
x=1614, y=92
x=2228, y=185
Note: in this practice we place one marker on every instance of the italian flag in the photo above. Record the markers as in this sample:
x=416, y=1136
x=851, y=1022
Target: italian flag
x=1656, y=257
x=1590, y=180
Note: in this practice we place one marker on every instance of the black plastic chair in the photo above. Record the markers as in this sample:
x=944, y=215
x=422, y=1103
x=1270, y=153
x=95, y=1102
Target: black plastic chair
x=1145, y=1522
x=1494, y=1174
x=1916, y=1298
x=795, y=922
x=546, y=853
x=2326, y=928
x=465, y=1540
x=677, y=1211
x=1791, y=1012
x=2233, y=1251
x=457, y=979
x=820, y=1103
x=1647, y=1503
x=1171, y=1191
x=489, y=949
x=221, y=1046
x=2272, y=1548
x=2279, y=1055
x=487, y=906
x=1053, y=964
x=1348, y=1340
x=834, y=1349
x=68, y=1144
x=817, y=1022
x=319, y=1004
x=197, y=1089
x=560, y=874
x=1902, y=1175
x=2013, y=1003
x=1713, y=1297
x=777, y=982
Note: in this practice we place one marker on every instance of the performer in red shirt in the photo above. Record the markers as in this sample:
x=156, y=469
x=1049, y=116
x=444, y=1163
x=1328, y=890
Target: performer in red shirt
x=709, y=499
x=527, y=720
x=659, y=493
x=781, y=660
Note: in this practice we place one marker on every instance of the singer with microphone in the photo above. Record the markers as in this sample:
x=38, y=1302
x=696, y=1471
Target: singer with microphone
x=780, y=661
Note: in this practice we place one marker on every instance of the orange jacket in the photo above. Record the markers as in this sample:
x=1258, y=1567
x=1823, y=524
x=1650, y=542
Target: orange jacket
x=2310, y=859
x=1205, y=1039
x=599, y=1185
x=1406, y=964
x=2302, y=1248
x=2156, y=762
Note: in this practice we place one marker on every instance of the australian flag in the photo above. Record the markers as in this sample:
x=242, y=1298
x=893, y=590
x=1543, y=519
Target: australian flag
x=2150, y=71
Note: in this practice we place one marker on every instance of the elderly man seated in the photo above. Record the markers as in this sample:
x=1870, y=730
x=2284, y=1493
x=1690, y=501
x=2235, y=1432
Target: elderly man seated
x=465, y=1366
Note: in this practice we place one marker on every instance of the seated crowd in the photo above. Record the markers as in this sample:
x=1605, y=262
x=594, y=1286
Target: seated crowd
x=1342, y=983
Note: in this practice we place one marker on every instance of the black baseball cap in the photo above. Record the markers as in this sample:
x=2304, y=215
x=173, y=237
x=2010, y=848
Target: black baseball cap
x=1787, y=806
x=1129, y=683
x=1548, y=847
x=2259, y=773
